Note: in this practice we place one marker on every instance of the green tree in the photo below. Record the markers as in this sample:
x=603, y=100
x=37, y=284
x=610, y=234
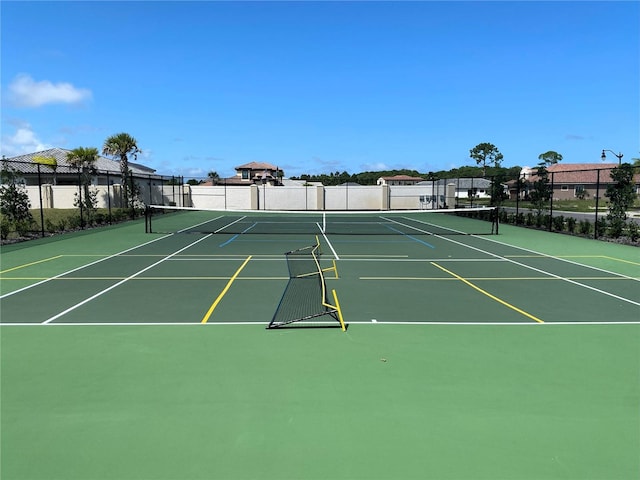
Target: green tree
x=214, y=177
x=621, y=196
x=14, y=203
x=550, y=157
x=540, y=193
x=121, y=145
x=496, y=189
x=84, y=158
x=486, y=153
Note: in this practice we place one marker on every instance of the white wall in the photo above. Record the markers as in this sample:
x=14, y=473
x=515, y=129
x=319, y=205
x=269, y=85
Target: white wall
x=343, y=197
x=220, y=197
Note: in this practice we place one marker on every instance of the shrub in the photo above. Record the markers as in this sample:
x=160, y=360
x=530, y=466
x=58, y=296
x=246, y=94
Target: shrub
x=571, y=225
x=601, y=228
x=529, y=220
x=5, y=228
x=584, y=227
x=50, y=226
x=633, y=230
x=558, y=223
x=616, y=227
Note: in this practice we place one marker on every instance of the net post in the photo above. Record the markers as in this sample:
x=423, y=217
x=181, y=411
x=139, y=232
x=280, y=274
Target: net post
x=147, y=219
x=338, y=310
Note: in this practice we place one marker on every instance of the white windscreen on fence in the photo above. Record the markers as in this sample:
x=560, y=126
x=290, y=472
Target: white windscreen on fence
x=258, y=197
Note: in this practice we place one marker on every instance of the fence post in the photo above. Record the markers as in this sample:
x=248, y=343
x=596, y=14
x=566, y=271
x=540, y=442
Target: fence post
x=108, y=198
x=40, y=195
x=595, y=223
x=130, y=195
x=518, y=198
x=551, y=203
x=80, y=197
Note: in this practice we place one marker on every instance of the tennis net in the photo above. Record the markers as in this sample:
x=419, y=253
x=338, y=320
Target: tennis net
x=465, y=221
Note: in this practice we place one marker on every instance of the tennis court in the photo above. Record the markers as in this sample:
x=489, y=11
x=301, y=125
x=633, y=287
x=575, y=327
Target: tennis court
x=133, y=355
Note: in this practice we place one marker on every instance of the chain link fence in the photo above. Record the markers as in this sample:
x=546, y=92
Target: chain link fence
x=40, y=200
x=66, y=198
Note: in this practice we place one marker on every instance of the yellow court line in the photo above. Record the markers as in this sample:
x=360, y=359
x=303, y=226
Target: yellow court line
x=500, y=279
x=493, y=297
x=620, y=260
x=224, y=291
x=29, y=264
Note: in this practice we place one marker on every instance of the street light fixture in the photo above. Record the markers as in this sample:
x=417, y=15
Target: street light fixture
x=619, y=155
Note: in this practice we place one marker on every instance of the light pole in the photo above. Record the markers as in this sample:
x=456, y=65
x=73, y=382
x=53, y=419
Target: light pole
x=619, y=155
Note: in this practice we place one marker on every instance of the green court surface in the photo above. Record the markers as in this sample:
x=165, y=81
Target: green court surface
x=127, y=355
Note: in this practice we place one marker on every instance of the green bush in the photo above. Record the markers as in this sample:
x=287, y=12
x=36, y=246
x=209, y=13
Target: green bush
x=616, y=227
x=5, y=227
x=601, y=228
x=633, y=230
x=529, y=219
x=571, y=224
x=584, y=227
x=558, y=223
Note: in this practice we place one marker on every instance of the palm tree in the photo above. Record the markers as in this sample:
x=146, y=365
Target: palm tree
x=84, y=158
x=214, y=177
x=122, y=145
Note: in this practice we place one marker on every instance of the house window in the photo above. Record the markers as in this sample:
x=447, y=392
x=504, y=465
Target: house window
x=579, y=191
x=245, y=174
x=564, y=188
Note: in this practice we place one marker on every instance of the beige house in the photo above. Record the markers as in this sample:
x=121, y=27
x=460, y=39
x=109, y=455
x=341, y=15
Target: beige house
x=60, y=172
x=253, y=173
x=399, y=180
x=575, y=180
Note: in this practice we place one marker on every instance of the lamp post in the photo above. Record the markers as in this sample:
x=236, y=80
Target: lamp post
x=619, y=155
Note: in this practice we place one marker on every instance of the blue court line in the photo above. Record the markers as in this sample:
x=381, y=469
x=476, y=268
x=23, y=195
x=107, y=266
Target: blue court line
x=411, y=237
x=237, y=235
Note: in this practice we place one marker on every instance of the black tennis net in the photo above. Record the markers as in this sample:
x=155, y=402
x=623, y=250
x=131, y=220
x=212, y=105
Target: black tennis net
x=466, y=221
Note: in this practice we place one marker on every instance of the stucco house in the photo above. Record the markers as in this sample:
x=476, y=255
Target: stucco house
x=60, y=172
x=399, y=180
x=464, y=187
x=254, y=173
x=574, y=180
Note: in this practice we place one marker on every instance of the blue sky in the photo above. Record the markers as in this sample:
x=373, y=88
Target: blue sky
x=320, y=87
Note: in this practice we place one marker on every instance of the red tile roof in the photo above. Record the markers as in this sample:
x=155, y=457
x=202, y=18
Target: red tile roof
x=581, y=173
x=256, y=166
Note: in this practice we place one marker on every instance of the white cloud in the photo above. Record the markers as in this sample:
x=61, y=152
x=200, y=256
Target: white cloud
x=374, y=167
x=24, y=91
x=23, y=140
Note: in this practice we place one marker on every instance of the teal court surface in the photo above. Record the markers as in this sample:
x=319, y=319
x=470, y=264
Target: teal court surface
x=132, y=355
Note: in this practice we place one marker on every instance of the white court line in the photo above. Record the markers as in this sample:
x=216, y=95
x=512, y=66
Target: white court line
x=81, y=267
x=335, y=254
x=603, y=292
x=198, y=224
x=423, y=260
x=564, y=260
x=372, y=322
x=121, y=282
